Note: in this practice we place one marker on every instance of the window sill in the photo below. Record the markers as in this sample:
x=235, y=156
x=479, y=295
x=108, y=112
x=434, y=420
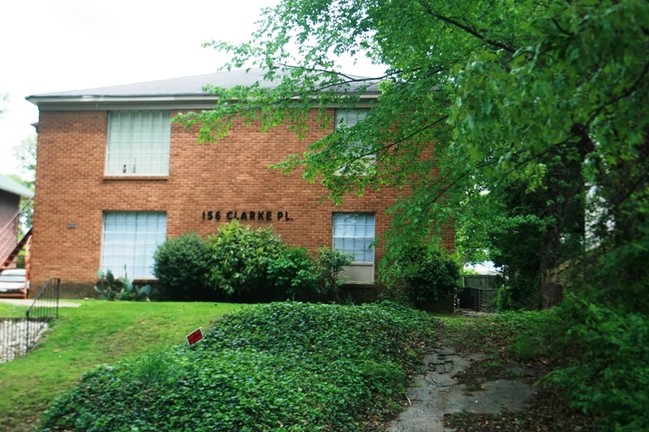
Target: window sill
x=358, y=274
x=135, y=178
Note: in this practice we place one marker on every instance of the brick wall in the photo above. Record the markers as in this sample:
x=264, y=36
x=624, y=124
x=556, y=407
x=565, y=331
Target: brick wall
x=232, y=175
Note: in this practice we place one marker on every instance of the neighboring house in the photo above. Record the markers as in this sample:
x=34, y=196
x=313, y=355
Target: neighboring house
x=117, y=176
x=14, y=225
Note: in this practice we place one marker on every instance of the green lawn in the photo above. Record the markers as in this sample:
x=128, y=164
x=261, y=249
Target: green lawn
x=97, y=332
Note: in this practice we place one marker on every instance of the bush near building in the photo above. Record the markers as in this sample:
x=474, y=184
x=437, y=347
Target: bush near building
x=244, y=264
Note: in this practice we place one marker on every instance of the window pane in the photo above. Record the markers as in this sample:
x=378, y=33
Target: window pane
x=353, y=233
x=130, y=240
x=138, y=142
x=348, y=118
x=362, y=153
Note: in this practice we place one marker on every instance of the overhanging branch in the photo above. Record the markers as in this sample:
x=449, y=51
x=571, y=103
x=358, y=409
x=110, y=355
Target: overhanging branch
x=467, y=29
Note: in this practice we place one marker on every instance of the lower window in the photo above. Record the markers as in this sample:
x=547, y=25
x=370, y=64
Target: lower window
x=353, y=233
x=130, y=240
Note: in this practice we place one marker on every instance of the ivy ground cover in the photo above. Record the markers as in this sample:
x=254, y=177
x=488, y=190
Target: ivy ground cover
x=276, y=367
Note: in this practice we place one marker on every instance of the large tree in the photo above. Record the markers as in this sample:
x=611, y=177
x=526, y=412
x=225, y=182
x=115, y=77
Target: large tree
x=25, y=154
x=485, y=106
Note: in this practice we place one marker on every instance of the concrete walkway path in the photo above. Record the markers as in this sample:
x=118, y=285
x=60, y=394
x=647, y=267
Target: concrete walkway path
x=436, y=393
x=28, y=302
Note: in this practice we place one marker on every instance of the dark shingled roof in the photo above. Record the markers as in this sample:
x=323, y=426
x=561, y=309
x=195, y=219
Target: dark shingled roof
x=191, y=86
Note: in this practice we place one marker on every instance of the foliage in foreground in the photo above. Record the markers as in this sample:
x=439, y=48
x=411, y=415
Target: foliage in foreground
x=280, y=367
x=609, y=375
x=598, y=356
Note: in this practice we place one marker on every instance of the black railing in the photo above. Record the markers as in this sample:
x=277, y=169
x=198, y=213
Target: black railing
x=44, y=309
x=46, y=303
x=18, y=335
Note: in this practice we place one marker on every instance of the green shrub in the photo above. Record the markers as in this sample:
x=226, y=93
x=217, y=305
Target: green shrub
x=159, y=367
x=181, y=265
x=428, y=277
x=245, y=264
x=240, y=257
x=256, y=265
x=328, y=267
x=519, y=292
x=533, y=334
x=122, y=288
x=278, y=367
x=292, y=273
x=610, y=374
x=107, y=286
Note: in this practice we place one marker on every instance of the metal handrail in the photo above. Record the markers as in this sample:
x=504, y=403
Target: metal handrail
x=46, y=303
x=44, y=308
x=19, y=335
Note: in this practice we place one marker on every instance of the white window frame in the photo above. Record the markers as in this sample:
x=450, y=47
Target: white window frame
x=355, y=233
x=129, y=241
x=138, y=143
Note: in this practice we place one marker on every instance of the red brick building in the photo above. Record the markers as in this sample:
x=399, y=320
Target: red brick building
x=116, y=176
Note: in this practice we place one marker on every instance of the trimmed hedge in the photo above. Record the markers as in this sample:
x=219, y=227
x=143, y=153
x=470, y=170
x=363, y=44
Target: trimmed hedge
x=277, y=367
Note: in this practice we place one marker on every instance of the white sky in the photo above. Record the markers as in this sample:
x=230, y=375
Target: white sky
x=57, y=45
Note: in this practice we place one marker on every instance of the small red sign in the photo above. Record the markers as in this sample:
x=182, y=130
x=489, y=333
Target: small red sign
x=194, y=336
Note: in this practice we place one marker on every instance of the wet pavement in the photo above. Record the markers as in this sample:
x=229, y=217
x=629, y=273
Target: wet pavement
x=436, y=393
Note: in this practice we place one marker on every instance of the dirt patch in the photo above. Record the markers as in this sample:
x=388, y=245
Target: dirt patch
x=490, y=369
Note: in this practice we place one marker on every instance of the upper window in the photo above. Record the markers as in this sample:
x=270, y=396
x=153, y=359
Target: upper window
x=362, y=153
x=138, y=143
x=354, y=234
x=349, y=117
x=130, y=240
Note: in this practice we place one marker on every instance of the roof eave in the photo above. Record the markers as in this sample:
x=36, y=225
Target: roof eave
x=98, y=102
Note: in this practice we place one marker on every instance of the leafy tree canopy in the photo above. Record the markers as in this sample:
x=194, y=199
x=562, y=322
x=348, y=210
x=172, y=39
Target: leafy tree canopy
x=548, y=98
x=25, y=154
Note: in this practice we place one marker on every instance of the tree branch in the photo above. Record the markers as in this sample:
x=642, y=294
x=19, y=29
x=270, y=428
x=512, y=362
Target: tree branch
x=626, y=93
x=430, y=125
x=468, y=29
